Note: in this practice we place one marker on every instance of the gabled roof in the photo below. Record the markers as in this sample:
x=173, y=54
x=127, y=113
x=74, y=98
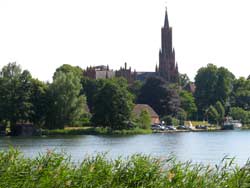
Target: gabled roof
x=139, y=107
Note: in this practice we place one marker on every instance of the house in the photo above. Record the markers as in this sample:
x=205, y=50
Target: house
x=155, y=119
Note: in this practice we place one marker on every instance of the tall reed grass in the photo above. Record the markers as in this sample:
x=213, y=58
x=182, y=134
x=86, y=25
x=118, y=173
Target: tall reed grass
x=53, y=170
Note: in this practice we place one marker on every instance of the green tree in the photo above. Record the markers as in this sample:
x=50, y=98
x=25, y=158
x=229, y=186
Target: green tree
x=163, y=99
x=188, y=103
x=39, y=102
x=241, y=93
x=15, y=93
x=112, y=106
x=144, y=120
x=66, y=68
x=240, y=114
x=181, y=116
x=135, y=89
x=212, y=84
x=212, y=115
x=66, y=105
x=221, y=111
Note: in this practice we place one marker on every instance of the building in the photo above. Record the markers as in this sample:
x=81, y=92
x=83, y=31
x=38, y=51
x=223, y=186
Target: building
x=155, y=119
x=99, y=72
x=168, y=68
x=126, y=73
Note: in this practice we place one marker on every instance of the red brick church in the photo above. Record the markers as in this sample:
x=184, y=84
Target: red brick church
x=167, y=69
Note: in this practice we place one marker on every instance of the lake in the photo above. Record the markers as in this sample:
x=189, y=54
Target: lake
x=205, y=147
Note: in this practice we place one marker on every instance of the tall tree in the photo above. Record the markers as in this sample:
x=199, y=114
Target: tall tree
x=112, y=106
x=66, y=104
x=212, y=84
x=15, y=94
x=66, y=68
x=163, y=99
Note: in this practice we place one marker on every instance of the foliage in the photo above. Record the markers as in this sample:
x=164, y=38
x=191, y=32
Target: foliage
x=137, y=171
x=188, y=103
x=66, y=68
x=156, y=93
x=241, y=93
x=135, y=89
x=213, y=115
x=113, y=105
x=238, y=113
x=66, y=104
x=39, y=102
x=15, y=93
x=221, y=112
x=144, y=120
x=169, y=120
x=181, y=116
x=212, y=84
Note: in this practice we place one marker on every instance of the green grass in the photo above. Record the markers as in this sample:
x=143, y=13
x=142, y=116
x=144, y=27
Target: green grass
x=194, y=123
x=94, y=131
x=53, y=170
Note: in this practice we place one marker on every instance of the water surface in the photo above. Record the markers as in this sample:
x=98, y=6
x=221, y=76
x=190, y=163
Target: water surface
x=205, y=147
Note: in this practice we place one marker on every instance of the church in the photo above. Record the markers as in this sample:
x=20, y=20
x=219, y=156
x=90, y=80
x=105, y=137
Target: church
x=167, y=68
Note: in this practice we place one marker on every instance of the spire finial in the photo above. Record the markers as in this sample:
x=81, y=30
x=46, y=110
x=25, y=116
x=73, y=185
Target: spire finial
x=166, y=24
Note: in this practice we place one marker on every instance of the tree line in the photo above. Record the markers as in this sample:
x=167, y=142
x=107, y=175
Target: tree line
x=72, y=99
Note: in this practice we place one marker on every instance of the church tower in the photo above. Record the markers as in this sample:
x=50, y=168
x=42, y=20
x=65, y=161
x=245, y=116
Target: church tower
x=168, y=68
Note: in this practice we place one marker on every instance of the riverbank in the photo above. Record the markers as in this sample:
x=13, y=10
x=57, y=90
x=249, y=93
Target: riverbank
x=56, y=170
x=93, y=131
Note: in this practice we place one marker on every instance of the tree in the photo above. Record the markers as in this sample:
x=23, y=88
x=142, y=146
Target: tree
x=213, y=115
x=240, y=114
x=210, y=79
x=181, y=116
x=135, y=88
x=112, y=106
x=66, y=68
x=241, y=93
x=188, y=103
x=221, y=111
x=163, y=99
x=66, y=105
x=39, y=100
x=15, y=93
x=144, y=120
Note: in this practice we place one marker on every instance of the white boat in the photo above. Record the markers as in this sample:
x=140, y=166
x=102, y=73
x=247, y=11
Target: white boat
x=231, y=124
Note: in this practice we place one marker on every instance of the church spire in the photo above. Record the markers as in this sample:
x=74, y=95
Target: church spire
x=166, y=24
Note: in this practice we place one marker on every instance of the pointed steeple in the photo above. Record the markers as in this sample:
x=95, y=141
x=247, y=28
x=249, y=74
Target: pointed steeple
x=166, y=24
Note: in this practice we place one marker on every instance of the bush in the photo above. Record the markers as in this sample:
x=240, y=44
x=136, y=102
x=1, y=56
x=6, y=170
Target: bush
x=240, y=114
x=169, y=120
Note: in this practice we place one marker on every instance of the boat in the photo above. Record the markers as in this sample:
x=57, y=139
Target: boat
x=230, y=124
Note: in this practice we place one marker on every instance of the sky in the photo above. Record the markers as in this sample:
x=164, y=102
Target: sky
x=41, y=35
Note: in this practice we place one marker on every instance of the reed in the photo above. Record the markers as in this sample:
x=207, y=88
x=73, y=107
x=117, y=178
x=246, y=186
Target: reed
x=56, y=170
